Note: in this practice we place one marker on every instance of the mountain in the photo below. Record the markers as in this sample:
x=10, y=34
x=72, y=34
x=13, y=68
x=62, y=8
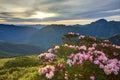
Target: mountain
x=115, y=39
x=8, y=49
x=15, y=33
x=102, y=28
x=51, y=34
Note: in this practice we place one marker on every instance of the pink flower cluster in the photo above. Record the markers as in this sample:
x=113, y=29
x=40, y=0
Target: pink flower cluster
x=60, y=66
x=105, y=45
x=48, y=71
x=66, y=76
x=112, y=66
x=83, y=47
x=92, y=77
x=76, y=59
x=81, y=37
x=76, y=47
x=110, y=45
x=84, y=53
x=115, y=54
x=47, y=57
x=54, y=49
x=71, y=33
x=118, y=47
x=108, y=65
x=106, y=41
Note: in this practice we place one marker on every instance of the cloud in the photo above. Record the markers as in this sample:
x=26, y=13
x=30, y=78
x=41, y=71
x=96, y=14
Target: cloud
x=23, y=10
x=1, y=21
x=116, y=18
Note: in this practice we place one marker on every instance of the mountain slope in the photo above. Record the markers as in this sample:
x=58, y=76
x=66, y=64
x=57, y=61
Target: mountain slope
x=102, y=28
x=13, y=33
x=13, y=49
x=115, y=39
x=52, y=34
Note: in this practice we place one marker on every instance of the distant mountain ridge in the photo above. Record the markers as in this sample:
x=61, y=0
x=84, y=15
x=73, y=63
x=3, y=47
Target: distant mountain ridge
x=51, y=34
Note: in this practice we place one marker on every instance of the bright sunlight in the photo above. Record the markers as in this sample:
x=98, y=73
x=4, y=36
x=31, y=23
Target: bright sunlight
x=42, y=15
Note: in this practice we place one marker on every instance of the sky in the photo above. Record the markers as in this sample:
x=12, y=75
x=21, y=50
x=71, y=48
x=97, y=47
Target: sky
x=58, y=11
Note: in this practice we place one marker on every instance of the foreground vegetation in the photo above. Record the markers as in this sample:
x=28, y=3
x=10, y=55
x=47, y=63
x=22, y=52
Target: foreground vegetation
x=21, y=68
x=80, y=58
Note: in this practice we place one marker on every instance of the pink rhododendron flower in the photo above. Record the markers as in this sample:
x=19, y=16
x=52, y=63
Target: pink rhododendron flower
x=81, y=37
x=83, y=47
x=72, y=46
x=96, y=62
x=72, y=55
x=50, y=50
x=71, y=33
x=56, y=47
x=47, y=57
x=69, y=62
x=66, y=76
x=60, y=66
x=77, y=33
x=106, y=41
x=94, y=45
x=66, y=45
x=92, y=77
x=117, y=47
x=115, y=54
x=91, y=48
x=48, y=71
x=49, y=75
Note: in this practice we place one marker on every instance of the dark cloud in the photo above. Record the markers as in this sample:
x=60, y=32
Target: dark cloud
x=22, y=10
x=23, y=20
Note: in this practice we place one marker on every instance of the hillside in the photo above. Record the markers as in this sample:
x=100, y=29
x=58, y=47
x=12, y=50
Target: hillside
x=80, y=57
x=115, y=39
x=27, y=71
x=51, y=34
x=8, y=49
x=15, y=33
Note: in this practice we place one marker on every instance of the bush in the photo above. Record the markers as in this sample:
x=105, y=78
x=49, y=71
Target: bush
x=90, y=59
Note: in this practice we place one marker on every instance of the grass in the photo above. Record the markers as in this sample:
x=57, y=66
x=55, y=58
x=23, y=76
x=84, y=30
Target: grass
x=19, y=73
x=4, y=60
x=24, y=73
